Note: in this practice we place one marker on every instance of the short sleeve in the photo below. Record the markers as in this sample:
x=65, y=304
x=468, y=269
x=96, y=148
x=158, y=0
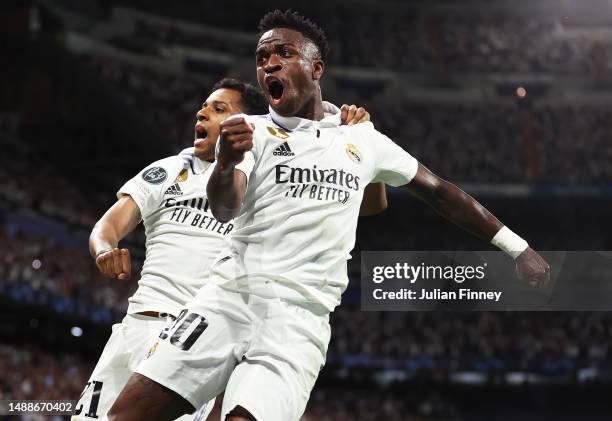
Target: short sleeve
x=393, y=166
x=247, y=164
x=148, y=186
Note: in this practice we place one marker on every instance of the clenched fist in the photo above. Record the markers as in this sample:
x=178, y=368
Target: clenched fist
x=115, y=263
x=531, y=267
x=235, y=139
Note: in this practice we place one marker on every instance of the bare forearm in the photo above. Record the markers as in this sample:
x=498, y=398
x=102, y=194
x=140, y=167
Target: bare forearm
x=454, y=204
x=103, y=237
x=463, y=210
x=115, y=224
x=225, y=192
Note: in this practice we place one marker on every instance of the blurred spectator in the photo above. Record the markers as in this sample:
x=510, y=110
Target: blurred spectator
x=40, y=272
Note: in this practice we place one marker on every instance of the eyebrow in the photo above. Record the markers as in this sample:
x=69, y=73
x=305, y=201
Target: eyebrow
x=275, y=45
x=216, y=102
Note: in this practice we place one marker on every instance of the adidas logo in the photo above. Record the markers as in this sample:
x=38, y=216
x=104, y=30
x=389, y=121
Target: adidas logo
x=283, y=150
x=174, y=190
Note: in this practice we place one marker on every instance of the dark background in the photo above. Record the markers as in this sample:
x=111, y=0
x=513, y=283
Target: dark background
x=510, y=99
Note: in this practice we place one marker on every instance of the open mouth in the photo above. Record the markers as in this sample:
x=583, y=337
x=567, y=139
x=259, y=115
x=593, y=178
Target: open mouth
x=275, y=89
x=201, y=132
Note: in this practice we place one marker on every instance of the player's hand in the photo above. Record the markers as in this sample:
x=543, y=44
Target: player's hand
x=531, y=267
x=115, y=263
x=236, y=138
x=350, y=115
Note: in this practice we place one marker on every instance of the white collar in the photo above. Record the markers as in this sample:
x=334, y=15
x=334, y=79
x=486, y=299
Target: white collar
x=190, y=160
x=199, y=165
x=297, y=123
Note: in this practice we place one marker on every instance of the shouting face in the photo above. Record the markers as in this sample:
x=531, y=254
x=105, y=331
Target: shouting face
x=220, y=105
x=288, y=71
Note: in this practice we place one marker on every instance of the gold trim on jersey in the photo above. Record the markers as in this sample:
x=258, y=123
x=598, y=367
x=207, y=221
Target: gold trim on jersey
x=182, y=176
x=280, y=133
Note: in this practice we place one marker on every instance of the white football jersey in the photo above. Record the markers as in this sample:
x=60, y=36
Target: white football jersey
x=297, y=224
x=182, y=236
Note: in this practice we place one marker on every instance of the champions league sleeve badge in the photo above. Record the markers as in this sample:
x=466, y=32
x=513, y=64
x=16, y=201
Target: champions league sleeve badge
x=155, y=175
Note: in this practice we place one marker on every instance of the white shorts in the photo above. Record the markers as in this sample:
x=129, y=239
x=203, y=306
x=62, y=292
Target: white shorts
x=266, y=353
x=128, y=344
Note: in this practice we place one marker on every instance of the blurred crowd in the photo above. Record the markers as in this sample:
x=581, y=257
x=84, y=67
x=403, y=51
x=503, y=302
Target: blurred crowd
x=371, y=404
x=31, y=373
x=165, y=101
x=550, y=343
x=407, y=39
x=500, y=43
x=44, y=192
x=566, y=144
x=44, y=273
x=41, y=272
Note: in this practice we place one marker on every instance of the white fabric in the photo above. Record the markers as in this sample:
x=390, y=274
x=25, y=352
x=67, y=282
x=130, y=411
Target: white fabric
x=509, y=242
x=267, y=352
x=127, y=346
x=297, y=224
x=182, y=236
x=330, y=109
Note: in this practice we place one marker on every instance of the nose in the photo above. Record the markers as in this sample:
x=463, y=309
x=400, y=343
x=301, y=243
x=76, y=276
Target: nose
x=274, y=64
x=202, y=115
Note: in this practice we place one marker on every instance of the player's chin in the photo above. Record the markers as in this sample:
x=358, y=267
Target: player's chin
x=201, y=147
x=284, y=107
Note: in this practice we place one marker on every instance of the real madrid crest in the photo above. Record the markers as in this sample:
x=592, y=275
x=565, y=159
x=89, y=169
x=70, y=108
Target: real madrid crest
x=280, y=133
x=354, y=153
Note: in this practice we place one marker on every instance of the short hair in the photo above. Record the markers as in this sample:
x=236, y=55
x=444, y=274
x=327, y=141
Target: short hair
x=252, y=99
x=293, y=20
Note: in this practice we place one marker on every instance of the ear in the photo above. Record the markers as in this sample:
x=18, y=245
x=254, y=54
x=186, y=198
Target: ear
x=317, y=69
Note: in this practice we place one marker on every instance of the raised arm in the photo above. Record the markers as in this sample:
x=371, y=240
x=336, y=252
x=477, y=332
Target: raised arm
x=463, y=210
x=227, y=185
x=115, y=224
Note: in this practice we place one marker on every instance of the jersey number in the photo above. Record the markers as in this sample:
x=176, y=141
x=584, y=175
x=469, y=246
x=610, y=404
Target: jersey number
x=186, y=329
x=95, y=399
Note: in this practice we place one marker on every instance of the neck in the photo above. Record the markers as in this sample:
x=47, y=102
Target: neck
x=313, y=109
x=206, y=155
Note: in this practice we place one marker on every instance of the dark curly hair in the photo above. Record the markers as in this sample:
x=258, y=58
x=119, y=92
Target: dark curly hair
x=252, y=99
x=293, y=20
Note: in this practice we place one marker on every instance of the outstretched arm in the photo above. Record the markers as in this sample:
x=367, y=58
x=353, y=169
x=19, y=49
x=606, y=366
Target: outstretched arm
x=227, y=185
x=462, y=209
x=115, y=224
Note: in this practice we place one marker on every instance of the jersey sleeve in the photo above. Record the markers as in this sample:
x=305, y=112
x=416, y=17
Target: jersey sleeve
x=247, y=164
x=148, y=186
x=393, y=165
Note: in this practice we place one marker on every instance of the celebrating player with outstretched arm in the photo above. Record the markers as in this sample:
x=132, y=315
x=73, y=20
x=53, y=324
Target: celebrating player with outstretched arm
x=182, y=240
x=260, y=328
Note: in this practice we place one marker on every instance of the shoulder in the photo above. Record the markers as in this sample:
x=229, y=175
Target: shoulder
x=159, y=171
x=365, y=128
x=362, y=133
